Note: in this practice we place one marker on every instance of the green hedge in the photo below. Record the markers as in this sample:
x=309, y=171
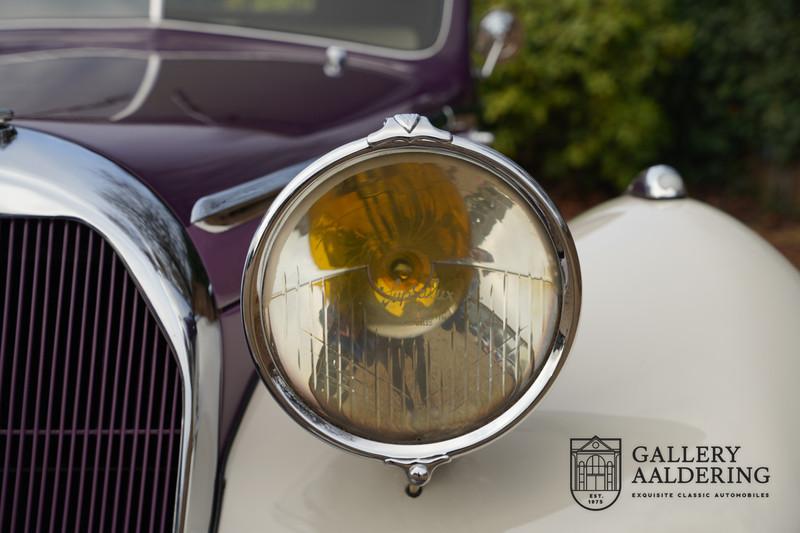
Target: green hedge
x=603, y=88
x=736, y=102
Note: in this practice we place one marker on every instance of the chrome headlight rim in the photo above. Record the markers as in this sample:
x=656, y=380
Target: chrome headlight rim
x=394, y=137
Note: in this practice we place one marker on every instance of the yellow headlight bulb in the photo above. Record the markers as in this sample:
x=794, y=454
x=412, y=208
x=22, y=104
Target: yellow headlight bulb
x=397, y=229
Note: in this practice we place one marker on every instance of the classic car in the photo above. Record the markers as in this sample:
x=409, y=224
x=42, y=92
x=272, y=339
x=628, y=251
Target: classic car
x=233, y=247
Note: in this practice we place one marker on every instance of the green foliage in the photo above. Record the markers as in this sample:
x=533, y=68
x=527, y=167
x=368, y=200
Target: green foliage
x=583, y=98
x=603, y=88
x=736, y=96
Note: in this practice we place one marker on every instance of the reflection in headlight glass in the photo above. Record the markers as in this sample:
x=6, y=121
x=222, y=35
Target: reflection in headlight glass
x=411, y=298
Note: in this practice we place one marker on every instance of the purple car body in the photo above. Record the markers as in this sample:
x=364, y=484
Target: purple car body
x=223, y=110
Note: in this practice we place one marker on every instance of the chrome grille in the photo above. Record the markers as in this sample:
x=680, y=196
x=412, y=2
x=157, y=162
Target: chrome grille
x=90, y=390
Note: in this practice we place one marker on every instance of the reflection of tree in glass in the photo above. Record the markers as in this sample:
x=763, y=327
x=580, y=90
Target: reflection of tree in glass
x=486, y=207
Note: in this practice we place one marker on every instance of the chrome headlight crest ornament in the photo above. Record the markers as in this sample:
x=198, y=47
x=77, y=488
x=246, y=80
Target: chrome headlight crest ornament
x=410, y=296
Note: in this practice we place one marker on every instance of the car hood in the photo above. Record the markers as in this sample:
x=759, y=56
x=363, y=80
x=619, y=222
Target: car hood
x=279, y=88
x=193, y=114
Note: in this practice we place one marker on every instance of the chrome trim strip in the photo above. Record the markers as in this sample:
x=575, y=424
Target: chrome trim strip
x=145, y=88
x=69, y=53
x=410, y=132
x=314, y=57
x=143, y=55
x=156, y=22
x=42, y=175
x=228, y=208
x=99, y=23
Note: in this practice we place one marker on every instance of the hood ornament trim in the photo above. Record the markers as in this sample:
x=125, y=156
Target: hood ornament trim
x=407, y=128
x=407, y=121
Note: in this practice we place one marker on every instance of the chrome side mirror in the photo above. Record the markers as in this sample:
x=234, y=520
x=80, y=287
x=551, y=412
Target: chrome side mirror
x=499, y=38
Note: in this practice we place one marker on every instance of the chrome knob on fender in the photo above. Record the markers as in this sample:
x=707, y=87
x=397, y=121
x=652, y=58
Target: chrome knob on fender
x=659, y=182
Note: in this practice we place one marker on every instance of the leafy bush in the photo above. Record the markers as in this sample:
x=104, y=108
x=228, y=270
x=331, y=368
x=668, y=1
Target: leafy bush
x=582, y=100
x=736, y=96
x=603, y=88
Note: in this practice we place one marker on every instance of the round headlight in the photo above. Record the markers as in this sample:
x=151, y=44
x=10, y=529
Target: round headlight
x=409, y=296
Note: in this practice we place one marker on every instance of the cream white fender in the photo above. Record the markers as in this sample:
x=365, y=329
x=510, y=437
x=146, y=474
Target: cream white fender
x=689, y=336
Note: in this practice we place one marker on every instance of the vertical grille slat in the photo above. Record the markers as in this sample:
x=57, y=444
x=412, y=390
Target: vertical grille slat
x=39, y=377
x=100, y=300
x=148, y=423
x=51, y=389
x=136, y=418
x=75, y=441
x=9, y=440
x=90, y=390
x=124, y=417
x=165, y=510
x=90, y=397
x=26, y=389
x=65, y=379
x=120, y=342
x=162, y=411
x=106, y=344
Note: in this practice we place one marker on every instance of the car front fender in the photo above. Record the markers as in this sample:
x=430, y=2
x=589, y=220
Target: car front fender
x=689, y=336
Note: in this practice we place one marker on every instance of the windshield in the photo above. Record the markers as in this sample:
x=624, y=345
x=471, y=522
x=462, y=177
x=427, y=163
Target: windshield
x=403, y=25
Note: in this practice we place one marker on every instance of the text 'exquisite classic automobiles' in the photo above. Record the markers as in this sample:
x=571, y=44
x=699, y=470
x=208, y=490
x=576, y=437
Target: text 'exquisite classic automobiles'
x=225, y=223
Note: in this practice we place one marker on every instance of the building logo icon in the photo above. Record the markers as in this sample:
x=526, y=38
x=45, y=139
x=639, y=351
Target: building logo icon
x=595, y=471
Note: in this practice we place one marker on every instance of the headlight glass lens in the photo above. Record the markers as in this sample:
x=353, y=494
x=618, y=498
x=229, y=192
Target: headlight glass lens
x=409, y=297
